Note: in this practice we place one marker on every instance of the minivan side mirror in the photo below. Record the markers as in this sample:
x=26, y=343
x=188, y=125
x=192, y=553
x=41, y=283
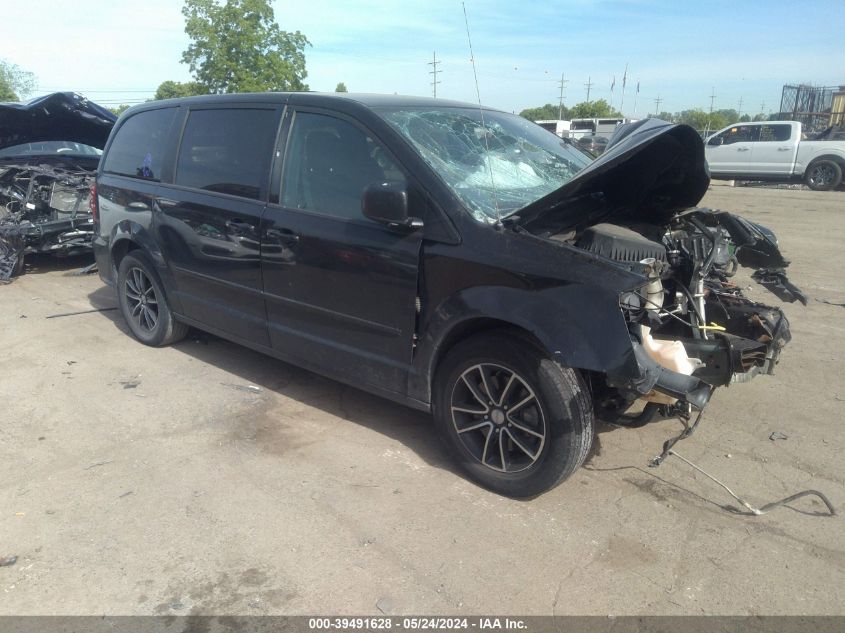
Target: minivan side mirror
x=387, y=202
x=716, y=140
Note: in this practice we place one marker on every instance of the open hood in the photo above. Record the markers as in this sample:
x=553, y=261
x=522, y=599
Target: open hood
x=61, y=116
x=650, y=171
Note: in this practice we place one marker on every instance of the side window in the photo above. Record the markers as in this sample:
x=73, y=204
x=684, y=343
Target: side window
x=776, y=133
x=328, y=164
x=140, y=144
x=227, y=151
x=740, y=134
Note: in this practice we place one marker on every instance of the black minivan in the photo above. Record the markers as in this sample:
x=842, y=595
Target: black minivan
x=457, y=259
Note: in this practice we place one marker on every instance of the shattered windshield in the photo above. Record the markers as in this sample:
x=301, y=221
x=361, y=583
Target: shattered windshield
x=495, y=168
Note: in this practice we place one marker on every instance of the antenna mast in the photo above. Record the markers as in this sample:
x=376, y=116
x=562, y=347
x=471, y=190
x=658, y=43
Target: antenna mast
x=483, y=125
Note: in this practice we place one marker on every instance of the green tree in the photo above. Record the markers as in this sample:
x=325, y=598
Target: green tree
x=583, y=110
x=237, y=46
x=119, y=109
x=548, y=112
x=696, y=118
x=15, y=83
x=172, y=89
x=340, y=87
x=593, y=109
x=666, y=116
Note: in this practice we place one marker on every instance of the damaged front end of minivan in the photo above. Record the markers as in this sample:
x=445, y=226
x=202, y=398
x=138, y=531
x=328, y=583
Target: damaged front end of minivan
x=49, y=152
x=690, y=326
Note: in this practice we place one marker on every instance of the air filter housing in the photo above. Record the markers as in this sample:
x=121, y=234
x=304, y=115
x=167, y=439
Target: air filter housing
x=619, y=243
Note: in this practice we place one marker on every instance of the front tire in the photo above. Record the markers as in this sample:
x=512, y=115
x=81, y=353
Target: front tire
x=514, y=420
x=824, y=175
x=143, y=302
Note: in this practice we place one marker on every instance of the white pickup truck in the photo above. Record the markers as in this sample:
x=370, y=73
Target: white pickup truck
x=774, y=150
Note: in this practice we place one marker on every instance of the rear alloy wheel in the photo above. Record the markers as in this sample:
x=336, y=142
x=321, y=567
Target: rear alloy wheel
x=824, y=175
x=143, y=303
x=515, y=420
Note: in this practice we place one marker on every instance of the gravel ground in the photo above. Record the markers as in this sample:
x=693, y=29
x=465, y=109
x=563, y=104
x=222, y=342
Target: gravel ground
x=143, y=481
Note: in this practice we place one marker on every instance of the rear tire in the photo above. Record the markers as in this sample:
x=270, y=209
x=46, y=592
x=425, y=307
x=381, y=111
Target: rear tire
x=823, y=175
x=143, y=302
x=514, y=420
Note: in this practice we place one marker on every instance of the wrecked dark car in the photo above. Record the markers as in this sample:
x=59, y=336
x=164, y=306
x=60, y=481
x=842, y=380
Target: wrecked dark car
x=49, y=151
x=459, y=260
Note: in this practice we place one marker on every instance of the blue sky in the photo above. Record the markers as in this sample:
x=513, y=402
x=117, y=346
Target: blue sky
x=119, y=51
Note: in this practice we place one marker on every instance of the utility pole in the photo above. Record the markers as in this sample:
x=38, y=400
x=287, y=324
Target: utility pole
x=563, y=83
x=433, y=63
x=710, y=116
x=657, y=103
x=739, y=112
x=588, y=86
x=763, y=109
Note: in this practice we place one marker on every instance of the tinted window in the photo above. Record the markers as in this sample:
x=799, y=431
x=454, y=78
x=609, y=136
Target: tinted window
x=740, y=134
x=778, y=133
x=227, y=151
x=138, y=148
x=329, y=163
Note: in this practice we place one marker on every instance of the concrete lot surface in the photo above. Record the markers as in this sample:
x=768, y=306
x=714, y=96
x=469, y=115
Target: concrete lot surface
x=141, y=481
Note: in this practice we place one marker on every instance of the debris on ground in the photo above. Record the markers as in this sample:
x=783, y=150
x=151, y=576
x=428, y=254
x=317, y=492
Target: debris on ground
x=65, y=314
x=777, y=435
x=249, y=388
x=385, y=605
x=8, y=561
x=102, y=463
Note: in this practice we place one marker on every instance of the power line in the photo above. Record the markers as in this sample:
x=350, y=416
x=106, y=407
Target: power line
x=433, y=63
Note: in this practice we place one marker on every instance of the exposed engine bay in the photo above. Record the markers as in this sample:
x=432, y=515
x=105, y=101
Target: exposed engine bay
x=49, y=152
x=45, y=209
x=690, y=318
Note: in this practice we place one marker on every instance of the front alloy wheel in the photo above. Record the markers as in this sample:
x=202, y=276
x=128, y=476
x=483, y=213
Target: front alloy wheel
x=515, y=420
x=498, y=418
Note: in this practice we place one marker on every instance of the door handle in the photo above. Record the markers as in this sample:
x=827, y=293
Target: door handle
x=237, y=224
x=742, y=149
x=282, y=235
x=139, y=206
x=166, y=203
x=784, y=149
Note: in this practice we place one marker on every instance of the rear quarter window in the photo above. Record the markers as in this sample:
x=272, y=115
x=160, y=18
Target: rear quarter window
x=139, y=145
x=227, y=150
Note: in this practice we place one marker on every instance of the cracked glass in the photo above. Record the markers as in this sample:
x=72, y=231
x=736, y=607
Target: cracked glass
x=495, y=167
